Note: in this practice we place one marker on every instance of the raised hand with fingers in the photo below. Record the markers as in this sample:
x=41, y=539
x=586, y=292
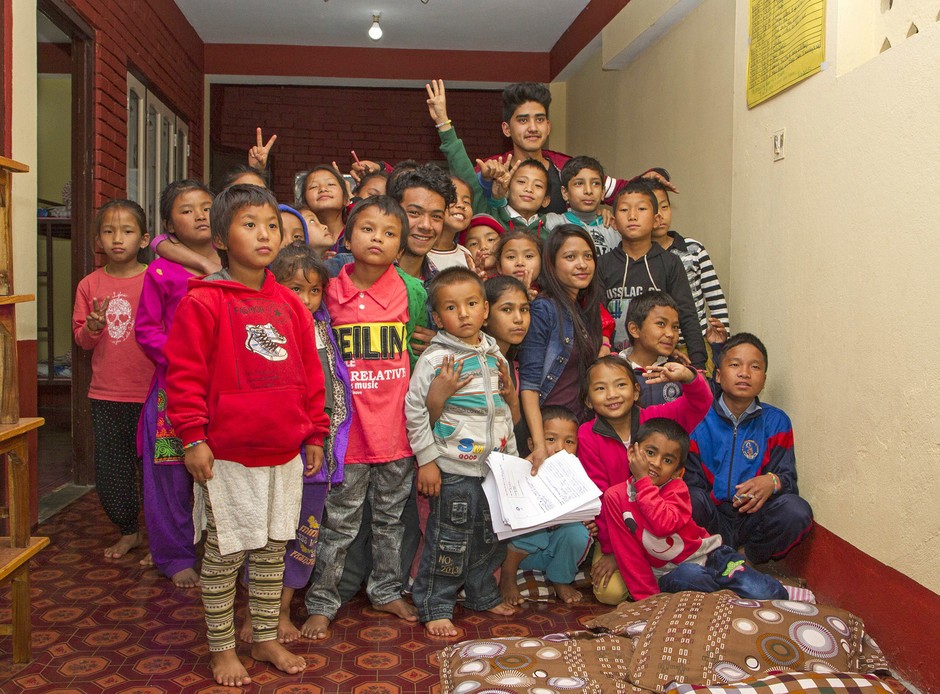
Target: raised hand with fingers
x=258, y=155
x=437, y=104
x=639, y=463
x=97, y=319
x=501, y=182
x=671, y=371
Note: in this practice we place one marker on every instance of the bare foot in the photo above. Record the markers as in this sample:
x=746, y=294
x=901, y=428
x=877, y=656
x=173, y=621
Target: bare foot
x=317, y=626
x=567, y=593
x=281, y=658
x=286, y=631
x=510, y=589
x=228, y=670
x=245, y=632
x=122, y=546
x=400, y=608
x=441, y=628
x=504, y=609
x=187, y=578
x=147, y=561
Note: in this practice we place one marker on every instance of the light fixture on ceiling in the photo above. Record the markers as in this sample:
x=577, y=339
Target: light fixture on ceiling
x=375, y=31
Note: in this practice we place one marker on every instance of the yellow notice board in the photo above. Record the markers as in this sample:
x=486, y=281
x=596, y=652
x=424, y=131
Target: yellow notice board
x=787, y=44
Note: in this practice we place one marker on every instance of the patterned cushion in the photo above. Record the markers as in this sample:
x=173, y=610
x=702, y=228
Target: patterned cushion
x=833, y=683
x=719, y=638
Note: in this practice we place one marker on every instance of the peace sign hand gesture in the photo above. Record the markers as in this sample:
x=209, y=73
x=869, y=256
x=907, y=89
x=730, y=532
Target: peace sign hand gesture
x=258, y=155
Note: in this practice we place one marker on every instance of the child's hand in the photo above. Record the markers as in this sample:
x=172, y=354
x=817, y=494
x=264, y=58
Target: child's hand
x=639, y=463
x=490, y=168
x=681, y=357
x=749, y=496
x=602, y=570
x=501, y=182
x=507, y=388
x=437, y=103
x=480, y=259
x=258, y=155
x=717, y=333
x=199, y=461
x=447, y=382
x=314, y=455
x=670, y=372
x=607, y=217
x=429, y=479
x=591, y=528
x=97, y=319
x=421, y=338
x=361, y=168
x=662, y=179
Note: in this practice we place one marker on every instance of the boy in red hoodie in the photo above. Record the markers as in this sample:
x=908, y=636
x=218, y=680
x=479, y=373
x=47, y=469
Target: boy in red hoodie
x=246, y=389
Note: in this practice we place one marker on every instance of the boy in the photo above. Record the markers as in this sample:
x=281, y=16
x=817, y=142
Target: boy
x=245, y=390
x=557, y=551
x=451, y=444
x=447, y=252
x=526, y=123
x=369, y=302
x=520, y=195
x=582, y=186
x=653, y=325
x=637, y=265
x=424, y=193
x=742, y=470
x=650, y=530
x=481, y=239
x=703, y=280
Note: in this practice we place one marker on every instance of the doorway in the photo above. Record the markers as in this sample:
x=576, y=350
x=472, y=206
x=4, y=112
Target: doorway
x=64, y=251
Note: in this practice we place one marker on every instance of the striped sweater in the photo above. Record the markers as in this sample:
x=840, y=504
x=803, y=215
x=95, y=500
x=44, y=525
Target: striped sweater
x=475, y=419
x=703, y=280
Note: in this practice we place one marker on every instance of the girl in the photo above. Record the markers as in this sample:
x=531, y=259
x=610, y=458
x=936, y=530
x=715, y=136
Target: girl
x=565, y=333
x=324, y=192
x=520, y=254
x=299, y=269
x=103, y=322
x=184, y=206
x=613, y=394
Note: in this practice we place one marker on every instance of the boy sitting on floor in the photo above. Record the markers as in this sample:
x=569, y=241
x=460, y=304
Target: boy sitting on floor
x=742, y=470
x=649, y=526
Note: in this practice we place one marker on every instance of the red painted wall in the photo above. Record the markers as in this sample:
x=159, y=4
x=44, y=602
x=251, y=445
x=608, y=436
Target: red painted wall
x=316, y=125
x=899, y=613
x=153, y=38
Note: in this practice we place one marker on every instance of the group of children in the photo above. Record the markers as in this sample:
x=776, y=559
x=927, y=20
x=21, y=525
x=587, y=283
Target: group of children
x=318, y=388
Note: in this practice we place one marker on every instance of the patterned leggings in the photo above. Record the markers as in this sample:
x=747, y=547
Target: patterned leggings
x=117, y=467
x=219, y=576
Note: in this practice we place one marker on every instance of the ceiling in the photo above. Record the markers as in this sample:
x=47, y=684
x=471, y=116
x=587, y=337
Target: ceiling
x=471, y=25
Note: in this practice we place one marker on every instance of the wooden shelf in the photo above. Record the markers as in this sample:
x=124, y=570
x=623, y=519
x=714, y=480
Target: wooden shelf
x=12, y=558
x=26, y=424
x=16, y=299
x=11, y=165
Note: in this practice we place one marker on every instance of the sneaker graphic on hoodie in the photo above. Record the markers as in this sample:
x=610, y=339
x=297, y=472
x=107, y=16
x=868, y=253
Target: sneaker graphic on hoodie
x=265, y=340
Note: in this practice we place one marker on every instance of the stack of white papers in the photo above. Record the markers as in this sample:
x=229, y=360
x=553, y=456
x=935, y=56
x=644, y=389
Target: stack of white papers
x=521, y=502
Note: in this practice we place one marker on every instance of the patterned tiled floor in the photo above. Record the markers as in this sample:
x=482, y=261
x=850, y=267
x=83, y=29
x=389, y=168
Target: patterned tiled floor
x=111, y=626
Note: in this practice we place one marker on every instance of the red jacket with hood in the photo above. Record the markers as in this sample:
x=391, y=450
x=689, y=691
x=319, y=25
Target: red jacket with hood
x=243, y=372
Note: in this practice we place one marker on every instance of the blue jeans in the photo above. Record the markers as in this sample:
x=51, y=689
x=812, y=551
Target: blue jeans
x=744, y=580
x=460, y=549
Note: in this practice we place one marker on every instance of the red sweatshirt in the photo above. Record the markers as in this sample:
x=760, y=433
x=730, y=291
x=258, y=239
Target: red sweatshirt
x=243, y=372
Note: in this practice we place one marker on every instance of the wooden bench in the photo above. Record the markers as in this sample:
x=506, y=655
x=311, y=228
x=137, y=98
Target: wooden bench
x=17, y=548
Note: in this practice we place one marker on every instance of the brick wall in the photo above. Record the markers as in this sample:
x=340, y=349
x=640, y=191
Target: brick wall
x=153, y=38
x=317, y=125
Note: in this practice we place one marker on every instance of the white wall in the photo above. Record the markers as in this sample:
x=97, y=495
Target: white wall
x=835, y=265
x=24, y=150
x=671, y=107
x=828, y=255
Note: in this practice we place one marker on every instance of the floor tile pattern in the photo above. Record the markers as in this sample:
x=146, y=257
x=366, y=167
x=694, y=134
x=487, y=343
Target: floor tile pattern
x=111, y=626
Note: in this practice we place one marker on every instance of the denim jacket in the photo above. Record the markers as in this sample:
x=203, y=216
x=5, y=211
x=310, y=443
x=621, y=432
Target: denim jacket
x=544, y=353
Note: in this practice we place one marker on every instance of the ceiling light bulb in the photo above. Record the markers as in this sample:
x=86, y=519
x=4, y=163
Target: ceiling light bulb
x=375, y=31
